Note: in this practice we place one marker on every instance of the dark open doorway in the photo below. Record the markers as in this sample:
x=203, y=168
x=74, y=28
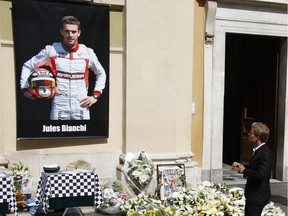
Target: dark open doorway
x=251, y=92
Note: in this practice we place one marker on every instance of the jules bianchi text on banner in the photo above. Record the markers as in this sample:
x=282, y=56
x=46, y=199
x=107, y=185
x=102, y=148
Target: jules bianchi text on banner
x=64, y=128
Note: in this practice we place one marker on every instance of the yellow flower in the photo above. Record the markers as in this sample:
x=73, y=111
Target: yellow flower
x=209, y=206
x=213, y=211
x=168, y=210
x=150, y=213
x=133, y=213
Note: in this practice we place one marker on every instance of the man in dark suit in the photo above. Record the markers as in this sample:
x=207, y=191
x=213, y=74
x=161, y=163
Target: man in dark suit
x=258, y=173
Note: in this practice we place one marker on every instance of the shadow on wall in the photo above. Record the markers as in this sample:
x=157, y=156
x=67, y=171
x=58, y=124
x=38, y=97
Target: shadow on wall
x=44, y=144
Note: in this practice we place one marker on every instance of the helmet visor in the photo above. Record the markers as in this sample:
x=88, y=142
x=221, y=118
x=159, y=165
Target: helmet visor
x=39, y=81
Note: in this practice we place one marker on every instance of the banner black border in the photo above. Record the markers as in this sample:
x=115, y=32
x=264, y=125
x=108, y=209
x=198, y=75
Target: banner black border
x=36, y=23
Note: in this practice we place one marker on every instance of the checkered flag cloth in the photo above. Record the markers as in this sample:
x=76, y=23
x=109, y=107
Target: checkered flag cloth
x=58, y=185
x=7, y=194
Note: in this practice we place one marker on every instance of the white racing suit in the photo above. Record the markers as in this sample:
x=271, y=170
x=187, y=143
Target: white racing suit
x=71, y=70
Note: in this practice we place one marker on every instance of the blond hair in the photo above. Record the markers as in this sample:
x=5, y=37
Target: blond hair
x=261, y=131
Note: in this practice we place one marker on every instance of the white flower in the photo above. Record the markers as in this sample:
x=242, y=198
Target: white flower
x=139, y=171
x=19, y=170
x=176, y=195
x=108, y=193
x=143, y=178
x=271, y=209
x=236, y=189
x=205, y=199
x=136, y=173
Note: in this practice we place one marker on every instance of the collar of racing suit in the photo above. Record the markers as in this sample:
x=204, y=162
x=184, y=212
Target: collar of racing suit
x=73, y=49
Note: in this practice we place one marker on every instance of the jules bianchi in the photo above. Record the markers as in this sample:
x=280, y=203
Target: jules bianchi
x=64, y=128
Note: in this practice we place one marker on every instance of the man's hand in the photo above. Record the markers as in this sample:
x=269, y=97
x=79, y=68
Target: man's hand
x=88, y=102
x=238, y=166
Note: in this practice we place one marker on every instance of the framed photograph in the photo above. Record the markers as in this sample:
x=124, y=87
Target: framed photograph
x=52, y=78
x=170, y=178
x=26, y=185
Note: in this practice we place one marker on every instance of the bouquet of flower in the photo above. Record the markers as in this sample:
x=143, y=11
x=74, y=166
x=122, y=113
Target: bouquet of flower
x=139, y=171
x=207, y=198
x=145, y=205
x=19, y=170
x=113, y=197
x=271, y=210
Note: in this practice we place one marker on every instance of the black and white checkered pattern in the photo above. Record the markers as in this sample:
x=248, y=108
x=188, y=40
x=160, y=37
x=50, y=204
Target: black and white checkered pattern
x=7, y=193
x=58, y=185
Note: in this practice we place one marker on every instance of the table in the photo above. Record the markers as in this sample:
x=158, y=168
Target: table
x=68, y=189
x=7, y=196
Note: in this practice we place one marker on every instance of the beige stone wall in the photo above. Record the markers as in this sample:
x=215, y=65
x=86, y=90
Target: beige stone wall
x=159, y=59
x=6, y=21
x=198, y=80
x=8, y=114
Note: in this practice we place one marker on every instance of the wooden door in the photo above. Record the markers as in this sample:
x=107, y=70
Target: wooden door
x=259, y=92
x=251, y=92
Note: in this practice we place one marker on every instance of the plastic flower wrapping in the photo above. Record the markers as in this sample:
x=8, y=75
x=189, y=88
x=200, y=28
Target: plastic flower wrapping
x=114, y=195
x=139, y=171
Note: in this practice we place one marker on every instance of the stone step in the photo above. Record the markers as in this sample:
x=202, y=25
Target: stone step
x=229, y=178
x=238, y=175
x=229, y=172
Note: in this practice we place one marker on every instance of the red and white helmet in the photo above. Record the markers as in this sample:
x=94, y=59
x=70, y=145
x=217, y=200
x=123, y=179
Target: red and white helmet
x=42, y=83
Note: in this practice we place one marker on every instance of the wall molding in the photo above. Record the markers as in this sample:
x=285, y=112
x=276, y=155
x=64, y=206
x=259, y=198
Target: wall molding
x=210, y=10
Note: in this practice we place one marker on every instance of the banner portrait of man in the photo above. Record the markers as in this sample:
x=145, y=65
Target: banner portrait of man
x=62, y=69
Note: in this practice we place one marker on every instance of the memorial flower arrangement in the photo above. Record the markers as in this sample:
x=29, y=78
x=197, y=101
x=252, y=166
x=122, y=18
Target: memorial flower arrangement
x=144, y=204
x=113, y=196
x=271, y=209
x=206, y=198
x=19, y=170
x=139, y=171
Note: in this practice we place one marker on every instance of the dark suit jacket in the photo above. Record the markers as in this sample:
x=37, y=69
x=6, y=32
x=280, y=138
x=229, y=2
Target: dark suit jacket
x=258, y=173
